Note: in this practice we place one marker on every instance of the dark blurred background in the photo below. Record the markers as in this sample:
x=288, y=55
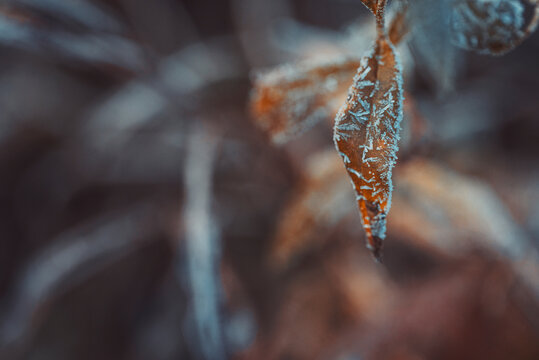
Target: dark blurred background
x=145, y=216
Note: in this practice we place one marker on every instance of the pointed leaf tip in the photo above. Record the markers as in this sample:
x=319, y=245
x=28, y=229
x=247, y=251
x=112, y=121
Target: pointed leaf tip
x=376, y=249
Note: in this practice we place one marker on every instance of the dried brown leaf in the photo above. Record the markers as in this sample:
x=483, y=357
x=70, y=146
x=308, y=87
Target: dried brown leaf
x=322, y=200
x=445, y=212
x=366, y=134
x=290, y=99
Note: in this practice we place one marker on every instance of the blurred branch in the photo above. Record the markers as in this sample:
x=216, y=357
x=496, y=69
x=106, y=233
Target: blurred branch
x=75, y=12
x=202, y=245
x=22, y=30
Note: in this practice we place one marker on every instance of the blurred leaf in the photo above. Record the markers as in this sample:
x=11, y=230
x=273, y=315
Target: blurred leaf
x=290, y=99
x=73, y=12
x=444, y=211
x=491, y=26
x=399, y=27
x=321, y=201
x=20, y=30
x=70, y=260
x=430, y=42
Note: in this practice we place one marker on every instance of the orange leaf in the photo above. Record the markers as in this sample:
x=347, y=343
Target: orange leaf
x=366, y=134
x=292, y=98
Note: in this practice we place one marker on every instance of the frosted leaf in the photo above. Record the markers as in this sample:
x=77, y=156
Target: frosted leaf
x=490, y=26
x=290, y=99
x=366, y=134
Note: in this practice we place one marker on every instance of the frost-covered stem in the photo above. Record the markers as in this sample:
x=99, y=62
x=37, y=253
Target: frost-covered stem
x=380, y=17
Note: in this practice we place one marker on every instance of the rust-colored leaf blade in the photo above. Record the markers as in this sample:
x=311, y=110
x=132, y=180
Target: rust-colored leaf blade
x=366, y=135
x=290, y=99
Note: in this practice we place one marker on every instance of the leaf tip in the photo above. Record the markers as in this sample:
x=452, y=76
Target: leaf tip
x=375, y=245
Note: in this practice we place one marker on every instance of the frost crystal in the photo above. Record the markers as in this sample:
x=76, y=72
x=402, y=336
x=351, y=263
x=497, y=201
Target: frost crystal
x=366, y=134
